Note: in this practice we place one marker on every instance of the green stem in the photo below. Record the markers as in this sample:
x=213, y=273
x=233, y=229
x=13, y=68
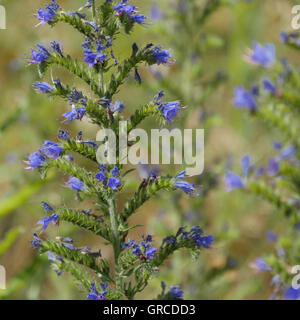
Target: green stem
x=94, y=10
x=115, y=235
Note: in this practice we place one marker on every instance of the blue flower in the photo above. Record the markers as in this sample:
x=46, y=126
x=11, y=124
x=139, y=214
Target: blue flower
x=38, y=56
x=53, y=257
x=45, y=16
x=142, y=249
x=92, y=58
x=149, y=253
x=175, y=293
x=243, y=99
x=184, y=186
x=233, y=181
x=245, y=165
x=262, y=55
x=160, y=56
x=115, y=172
x=261, y=265
x=139, y=18
x=113, y=183
x=63, y=135
x=46, y=206
x=284, y=38
x=51, y=149
x=56, y=47
x=74, y=114
x=271, y=236
x=43, y=87
x=45, y=221
x=102, y=168
x=35, y=160
x=268, y=86
x=93, y=295
x=117, y=107
x=180, y=175
x=287, y=152
x=273, y=167
x=291, y=294
x=123, y=8
x=100, y=177
x=74, y=96
x=36, y=242
x=169, y=110
x=75, y=184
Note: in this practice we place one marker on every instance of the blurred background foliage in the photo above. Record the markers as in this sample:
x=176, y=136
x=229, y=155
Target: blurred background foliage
x=208, y=43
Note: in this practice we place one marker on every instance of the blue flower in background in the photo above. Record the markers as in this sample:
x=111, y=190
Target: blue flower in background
x=233, y=181
x=273, y=167
x=185, y=186
x=262, y=55
x=43, y=87
x=169, y=110
x=243, y=99
x=51, y=149
x=35, y=160
x=291, y=294
x=268, y=86
x=75, y=184
x=287, y=152
x=271, y=236
x=261, y=265
x=113, y=183
x=245, y=165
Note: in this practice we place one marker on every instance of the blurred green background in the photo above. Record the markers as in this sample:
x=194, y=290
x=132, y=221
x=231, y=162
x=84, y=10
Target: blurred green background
x=26, y=118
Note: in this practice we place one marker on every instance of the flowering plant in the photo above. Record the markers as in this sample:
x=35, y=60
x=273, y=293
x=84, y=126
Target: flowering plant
x=134, y=262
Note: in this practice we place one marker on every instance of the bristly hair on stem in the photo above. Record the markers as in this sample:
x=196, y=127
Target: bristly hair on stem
x=134, y=261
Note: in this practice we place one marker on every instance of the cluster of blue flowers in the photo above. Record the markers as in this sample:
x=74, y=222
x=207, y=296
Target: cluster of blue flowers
x=143, y=250
x=128, y=10
x=194, y=237
x=110, y=179
x=234, y=181
x=49, y=150
x=94, y=295
x=48, y=14
x=263, y=56
x=174, y=292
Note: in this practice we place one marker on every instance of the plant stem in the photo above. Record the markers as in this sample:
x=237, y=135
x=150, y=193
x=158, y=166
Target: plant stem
x=94, y=10
x=115, y=235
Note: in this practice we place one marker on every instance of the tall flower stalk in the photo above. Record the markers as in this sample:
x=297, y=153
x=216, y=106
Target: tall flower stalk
x=134, y=261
